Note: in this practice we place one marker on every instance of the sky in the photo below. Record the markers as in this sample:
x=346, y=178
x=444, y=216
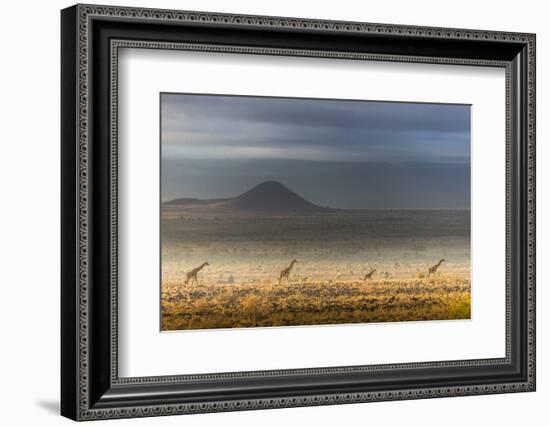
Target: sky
x=336, y=153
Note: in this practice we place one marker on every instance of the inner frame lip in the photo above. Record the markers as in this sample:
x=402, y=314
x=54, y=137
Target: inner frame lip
x=116, y=44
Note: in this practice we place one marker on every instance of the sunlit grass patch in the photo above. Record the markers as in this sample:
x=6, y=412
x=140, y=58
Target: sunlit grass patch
x=445, y=297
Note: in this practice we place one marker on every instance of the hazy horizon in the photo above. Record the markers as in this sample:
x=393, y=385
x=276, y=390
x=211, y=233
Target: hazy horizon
x=334, y=153
x=231, y=196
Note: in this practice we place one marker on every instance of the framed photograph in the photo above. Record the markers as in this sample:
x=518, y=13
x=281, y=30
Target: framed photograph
x=263, y=212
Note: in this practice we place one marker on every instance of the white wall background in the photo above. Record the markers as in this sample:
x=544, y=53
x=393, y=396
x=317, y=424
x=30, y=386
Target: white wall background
x=29, y=213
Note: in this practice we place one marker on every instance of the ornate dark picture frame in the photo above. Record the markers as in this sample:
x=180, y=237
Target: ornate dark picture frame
x=90, y=385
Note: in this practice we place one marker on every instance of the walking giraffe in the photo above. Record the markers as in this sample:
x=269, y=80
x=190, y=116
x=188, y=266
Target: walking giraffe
x=369, y=275
x=192, y=274
x=433, y=269
x=286, y=272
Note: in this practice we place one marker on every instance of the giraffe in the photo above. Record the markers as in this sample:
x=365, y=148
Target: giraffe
x=192, y=274
x=286, y=272
x=433, y=269
x=369, y=275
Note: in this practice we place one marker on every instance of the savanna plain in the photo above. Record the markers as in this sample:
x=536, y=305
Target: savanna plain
x=311, y=268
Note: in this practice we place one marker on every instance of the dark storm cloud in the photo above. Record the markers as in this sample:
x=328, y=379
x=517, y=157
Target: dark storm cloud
x=411, y=155
x=201, y=126
x=313, y=112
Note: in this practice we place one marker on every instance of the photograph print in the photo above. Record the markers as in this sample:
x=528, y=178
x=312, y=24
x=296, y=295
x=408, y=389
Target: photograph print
x=292, y=211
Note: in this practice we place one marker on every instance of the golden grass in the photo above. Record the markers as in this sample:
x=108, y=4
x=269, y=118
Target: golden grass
x=441, y=297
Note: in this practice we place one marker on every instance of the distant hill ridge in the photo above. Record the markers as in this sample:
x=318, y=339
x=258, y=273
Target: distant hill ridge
x=269, y=196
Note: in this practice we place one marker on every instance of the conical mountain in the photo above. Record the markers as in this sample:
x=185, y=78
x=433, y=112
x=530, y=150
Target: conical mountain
x=267, y=197
x=272, y=196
